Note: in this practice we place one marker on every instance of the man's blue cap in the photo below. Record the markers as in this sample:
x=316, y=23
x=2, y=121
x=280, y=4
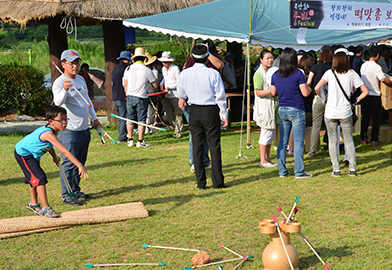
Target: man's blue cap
x=124, y=55
x=229, y=54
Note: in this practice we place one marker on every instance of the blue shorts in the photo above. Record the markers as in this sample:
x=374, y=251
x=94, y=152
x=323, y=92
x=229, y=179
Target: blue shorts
x=137, y=109
x=34, y=175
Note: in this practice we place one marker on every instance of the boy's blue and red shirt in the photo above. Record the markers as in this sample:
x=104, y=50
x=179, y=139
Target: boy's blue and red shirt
x=31, y=145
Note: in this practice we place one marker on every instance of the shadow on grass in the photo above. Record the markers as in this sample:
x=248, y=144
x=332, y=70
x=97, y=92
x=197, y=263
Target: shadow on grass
x=117, y=191
x=324, y=253
x=236, y=168
x=127, y=162
x=121, y=163
x=180, y=199
x=12, y=181
x=56, y=173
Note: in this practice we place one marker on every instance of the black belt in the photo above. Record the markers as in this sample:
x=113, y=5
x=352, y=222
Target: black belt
x=195, y=105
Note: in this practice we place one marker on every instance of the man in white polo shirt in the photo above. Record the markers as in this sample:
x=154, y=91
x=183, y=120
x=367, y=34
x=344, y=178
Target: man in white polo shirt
x=203, y=87
x=137, y=79
x=372, y=75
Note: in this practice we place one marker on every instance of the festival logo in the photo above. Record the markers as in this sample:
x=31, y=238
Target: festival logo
x=306, y=14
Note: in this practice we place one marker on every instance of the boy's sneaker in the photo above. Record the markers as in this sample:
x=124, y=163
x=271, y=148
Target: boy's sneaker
x=376, y=143
x=352, y=173
x=304, y=175
x=286, y=175
x=311, y=154
x=336, y=174
x=142, y=144
x=363, y=142
x=130, y=142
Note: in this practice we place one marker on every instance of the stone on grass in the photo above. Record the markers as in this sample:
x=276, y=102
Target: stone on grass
x=201, y=258
x=24, y=118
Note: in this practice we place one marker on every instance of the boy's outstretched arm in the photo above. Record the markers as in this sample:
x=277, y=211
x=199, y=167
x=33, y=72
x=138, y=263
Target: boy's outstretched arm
x=56, y=158
x=50, y=137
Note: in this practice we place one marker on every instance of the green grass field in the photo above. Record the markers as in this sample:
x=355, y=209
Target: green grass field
x=347, y=219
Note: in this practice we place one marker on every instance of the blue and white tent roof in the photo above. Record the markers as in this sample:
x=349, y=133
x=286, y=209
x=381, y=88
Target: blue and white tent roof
x=231, y=20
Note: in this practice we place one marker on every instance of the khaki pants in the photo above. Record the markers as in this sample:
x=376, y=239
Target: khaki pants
x=174, y=115
x=317, y=120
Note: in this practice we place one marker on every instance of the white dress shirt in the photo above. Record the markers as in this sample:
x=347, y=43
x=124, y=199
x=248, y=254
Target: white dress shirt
x=171, y=76
x=202, y=86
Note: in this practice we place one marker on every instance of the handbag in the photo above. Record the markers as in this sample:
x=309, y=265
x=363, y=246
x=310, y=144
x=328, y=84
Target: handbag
x=354, y=115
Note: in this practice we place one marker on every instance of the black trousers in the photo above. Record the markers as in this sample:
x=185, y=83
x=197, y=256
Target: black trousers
x=204, y=123
x=371, y=107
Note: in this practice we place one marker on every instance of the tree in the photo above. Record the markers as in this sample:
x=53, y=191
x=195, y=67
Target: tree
x=186, y=45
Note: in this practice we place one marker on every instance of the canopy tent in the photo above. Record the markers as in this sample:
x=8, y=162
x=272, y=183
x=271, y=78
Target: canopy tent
x=231, y=20
x=254, y=22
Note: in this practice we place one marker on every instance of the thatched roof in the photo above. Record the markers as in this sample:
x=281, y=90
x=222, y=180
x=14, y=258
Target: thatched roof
x=24, y=12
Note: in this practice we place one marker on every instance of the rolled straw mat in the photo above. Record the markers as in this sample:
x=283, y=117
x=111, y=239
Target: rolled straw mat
x=24, y=225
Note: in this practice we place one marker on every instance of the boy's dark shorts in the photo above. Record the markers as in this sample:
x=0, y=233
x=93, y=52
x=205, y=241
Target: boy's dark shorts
x=34, y=175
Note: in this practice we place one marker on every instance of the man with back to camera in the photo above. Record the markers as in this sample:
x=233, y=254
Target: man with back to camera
x=76, y=137
x=372, y=75
x=137, y=80
x=207, y=99
x=119, y=101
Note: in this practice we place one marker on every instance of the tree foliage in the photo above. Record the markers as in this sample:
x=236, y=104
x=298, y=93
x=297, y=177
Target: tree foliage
x=21, y=87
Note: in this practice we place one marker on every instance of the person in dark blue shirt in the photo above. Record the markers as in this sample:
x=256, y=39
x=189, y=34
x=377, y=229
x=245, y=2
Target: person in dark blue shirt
x=357, y=60
x=118, y=92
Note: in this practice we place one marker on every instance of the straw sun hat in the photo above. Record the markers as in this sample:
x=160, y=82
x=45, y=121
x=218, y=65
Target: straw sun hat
x=139, y=52
x=150, y=59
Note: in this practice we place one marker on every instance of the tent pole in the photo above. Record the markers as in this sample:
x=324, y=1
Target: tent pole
x=249, y=145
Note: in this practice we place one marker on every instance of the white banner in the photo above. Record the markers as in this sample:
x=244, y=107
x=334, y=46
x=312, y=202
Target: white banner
x=340, y=15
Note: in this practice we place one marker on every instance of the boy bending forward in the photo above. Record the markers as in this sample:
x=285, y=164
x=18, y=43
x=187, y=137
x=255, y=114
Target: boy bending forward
x=28, y=152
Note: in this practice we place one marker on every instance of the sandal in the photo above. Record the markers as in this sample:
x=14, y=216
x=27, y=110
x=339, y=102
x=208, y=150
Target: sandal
x=33, y=207
x=48, y=211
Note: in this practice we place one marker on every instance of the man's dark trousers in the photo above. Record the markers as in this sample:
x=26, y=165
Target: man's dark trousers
x=204, y=123
x=371, y=107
